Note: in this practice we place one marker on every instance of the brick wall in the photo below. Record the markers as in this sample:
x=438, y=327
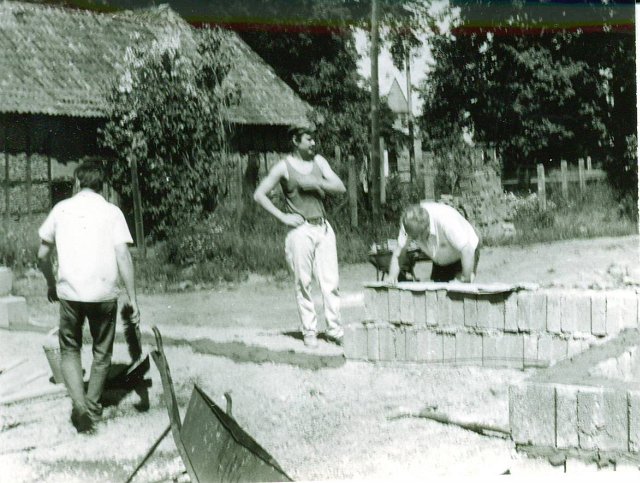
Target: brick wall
x=426, y=322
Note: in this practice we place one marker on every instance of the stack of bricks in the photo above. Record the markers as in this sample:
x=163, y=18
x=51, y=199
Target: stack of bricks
x=428, y=323
x=13, y=310
x=571, y=408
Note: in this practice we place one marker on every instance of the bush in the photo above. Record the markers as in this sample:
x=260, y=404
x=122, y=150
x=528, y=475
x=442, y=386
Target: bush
x=19, y=243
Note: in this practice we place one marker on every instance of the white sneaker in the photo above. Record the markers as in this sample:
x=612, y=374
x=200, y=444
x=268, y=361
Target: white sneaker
x=311, y=340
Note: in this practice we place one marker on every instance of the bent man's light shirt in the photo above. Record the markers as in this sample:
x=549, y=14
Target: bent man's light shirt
x=86, y=230
x=449, y=234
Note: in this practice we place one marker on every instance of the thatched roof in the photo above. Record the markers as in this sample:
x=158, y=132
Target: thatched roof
x=60, y=61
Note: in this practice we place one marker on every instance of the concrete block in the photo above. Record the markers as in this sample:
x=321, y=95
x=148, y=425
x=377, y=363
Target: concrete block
x=551, y=348
x=429, y=346
x=554, y=312
x=448, y=348
x=399, y=340
x=13, y=311
x=387, y=349
x=470, y=311
x=622, y=311
x=6, y=281
x=566, y=416
x=394, y=305
x=491, y=311
x=382, y=304
x=419, y=301
x=503, y=350
x=634, y=421
x=576, y=346
x=355, y=341
x=576, y=313
x=598, y=313
x=431, y=304
x=532, y=311
x=511, y=313
x=457, y=308
x=373, y=344
x=407, y=315
x=468, y=348
x=411, y=344
x=370, y=304
x=443, y=309
x=532, y=414
x=603, y=419
x=530, y=350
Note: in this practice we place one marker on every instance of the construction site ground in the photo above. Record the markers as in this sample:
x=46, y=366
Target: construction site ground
x=320, y=417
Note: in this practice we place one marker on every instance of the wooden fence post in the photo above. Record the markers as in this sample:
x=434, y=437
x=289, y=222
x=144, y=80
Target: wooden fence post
x=383, y=179
x=137, y=207
x=28, y=171
x=7, y=204
x=352, y=184
x=564, y=179
x=542, y=192
x=581, y=178
x=589, y=167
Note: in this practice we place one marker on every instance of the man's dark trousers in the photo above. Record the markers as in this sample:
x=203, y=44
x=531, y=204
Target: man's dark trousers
x=102, y=325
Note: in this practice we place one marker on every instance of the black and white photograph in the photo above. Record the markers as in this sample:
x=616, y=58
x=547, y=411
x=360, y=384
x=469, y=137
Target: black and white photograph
x=319, y=240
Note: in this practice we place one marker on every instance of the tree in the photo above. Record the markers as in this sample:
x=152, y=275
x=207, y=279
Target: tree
x=167, y=115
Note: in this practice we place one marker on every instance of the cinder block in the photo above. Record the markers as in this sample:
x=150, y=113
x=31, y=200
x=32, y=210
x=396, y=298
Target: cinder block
x=532, y=414
x=407, y=315
x=511, y=313
x=429, y=346
x=456, y=301
x=554, y=312
x=411, y=343
x=6, y=281
x=491, y=311
x=503, y=350
x=382, y=304
x=602, y=419
x=566, y=416
x=443, y=310
x=622, y=311
x=13, y=311
x=598, y=313
x=468, y=348
x=373, y=345
x=530, y=342
x=370, y=304
x=394, y=305
x=448, y=348
x=419, y=301
x=551, y=348
x=634, y=421
x=532, y=311
x=387, y=349
x=355, y=341
x=576, y=313
x=431, y=304
x=471, y=311
x=399, y=340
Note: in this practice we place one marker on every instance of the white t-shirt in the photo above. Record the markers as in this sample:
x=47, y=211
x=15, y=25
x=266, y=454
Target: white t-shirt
x=449, y=234
x=85, y=230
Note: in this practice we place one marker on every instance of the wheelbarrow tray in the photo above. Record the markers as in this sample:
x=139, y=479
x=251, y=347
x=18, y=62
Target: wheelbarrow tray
x=382, y=259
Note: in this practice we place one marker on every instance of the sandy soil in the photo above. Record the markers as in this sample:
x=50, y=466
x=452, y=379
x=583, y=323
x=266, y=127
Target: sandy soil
x=324, y=424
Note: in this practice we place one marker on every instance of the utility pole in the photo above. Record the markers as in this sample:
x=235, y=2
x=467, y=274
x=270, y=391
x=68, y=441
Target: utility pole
x=375, y=109
x=412, y=157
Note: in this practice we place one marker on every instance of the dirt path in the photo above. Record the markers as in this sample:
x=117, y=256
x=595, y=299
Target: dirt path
x=332, y=423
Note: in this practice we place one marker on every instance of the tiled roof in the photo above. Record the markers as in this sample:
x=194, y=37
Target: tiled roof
x=60, y=61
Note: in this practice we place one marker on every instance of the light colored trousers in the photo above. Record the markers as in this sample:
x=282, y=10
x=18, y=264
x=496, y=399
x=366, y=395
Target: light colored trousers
x=312, y=249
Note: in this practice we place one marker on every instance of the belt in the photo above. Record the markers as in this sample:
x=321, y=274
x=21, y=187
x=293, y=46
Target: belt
x=316, y=221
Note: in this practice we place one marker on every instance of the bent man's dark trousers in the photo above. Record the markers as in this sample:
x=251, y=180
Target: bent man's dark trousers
x=102, y=325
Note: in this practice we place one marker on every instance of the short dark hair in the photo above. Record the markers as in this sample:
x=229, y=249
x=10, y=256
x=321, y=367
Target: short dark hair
x=90, y=173
x=296, y=132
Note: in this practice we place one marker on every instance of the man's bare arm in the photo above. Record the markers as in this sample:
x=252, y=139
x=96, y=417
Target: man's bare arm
x=261, y=196
x=125, y=268
x=45, y=265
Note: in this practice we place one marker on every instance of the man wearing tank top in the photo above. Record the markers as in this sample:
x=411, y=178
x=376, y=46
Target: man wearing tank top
x=310, y=246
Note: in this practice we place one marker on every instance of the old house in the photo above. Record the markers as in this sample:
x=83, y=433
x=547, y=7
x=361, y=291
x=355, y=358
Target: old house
x=56, y=69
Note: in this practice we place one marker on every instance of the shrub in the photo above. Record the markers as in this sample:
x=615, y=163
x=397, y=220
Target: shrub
x=19, y=242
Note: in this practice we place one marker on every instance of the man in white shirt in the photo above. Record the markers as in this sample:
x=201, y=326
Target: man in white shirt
x=90, y=237
x=445, y=236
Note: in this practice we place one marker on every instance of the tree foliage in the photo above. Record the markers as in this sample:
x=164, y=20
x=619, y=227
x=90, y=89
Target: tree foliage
x=167, y=115
x=537, y=95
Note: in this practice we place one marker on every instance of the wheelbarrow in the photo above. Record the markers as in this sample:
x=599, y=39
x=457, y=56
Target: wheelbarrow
x=212, y=445
x=380, y=258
